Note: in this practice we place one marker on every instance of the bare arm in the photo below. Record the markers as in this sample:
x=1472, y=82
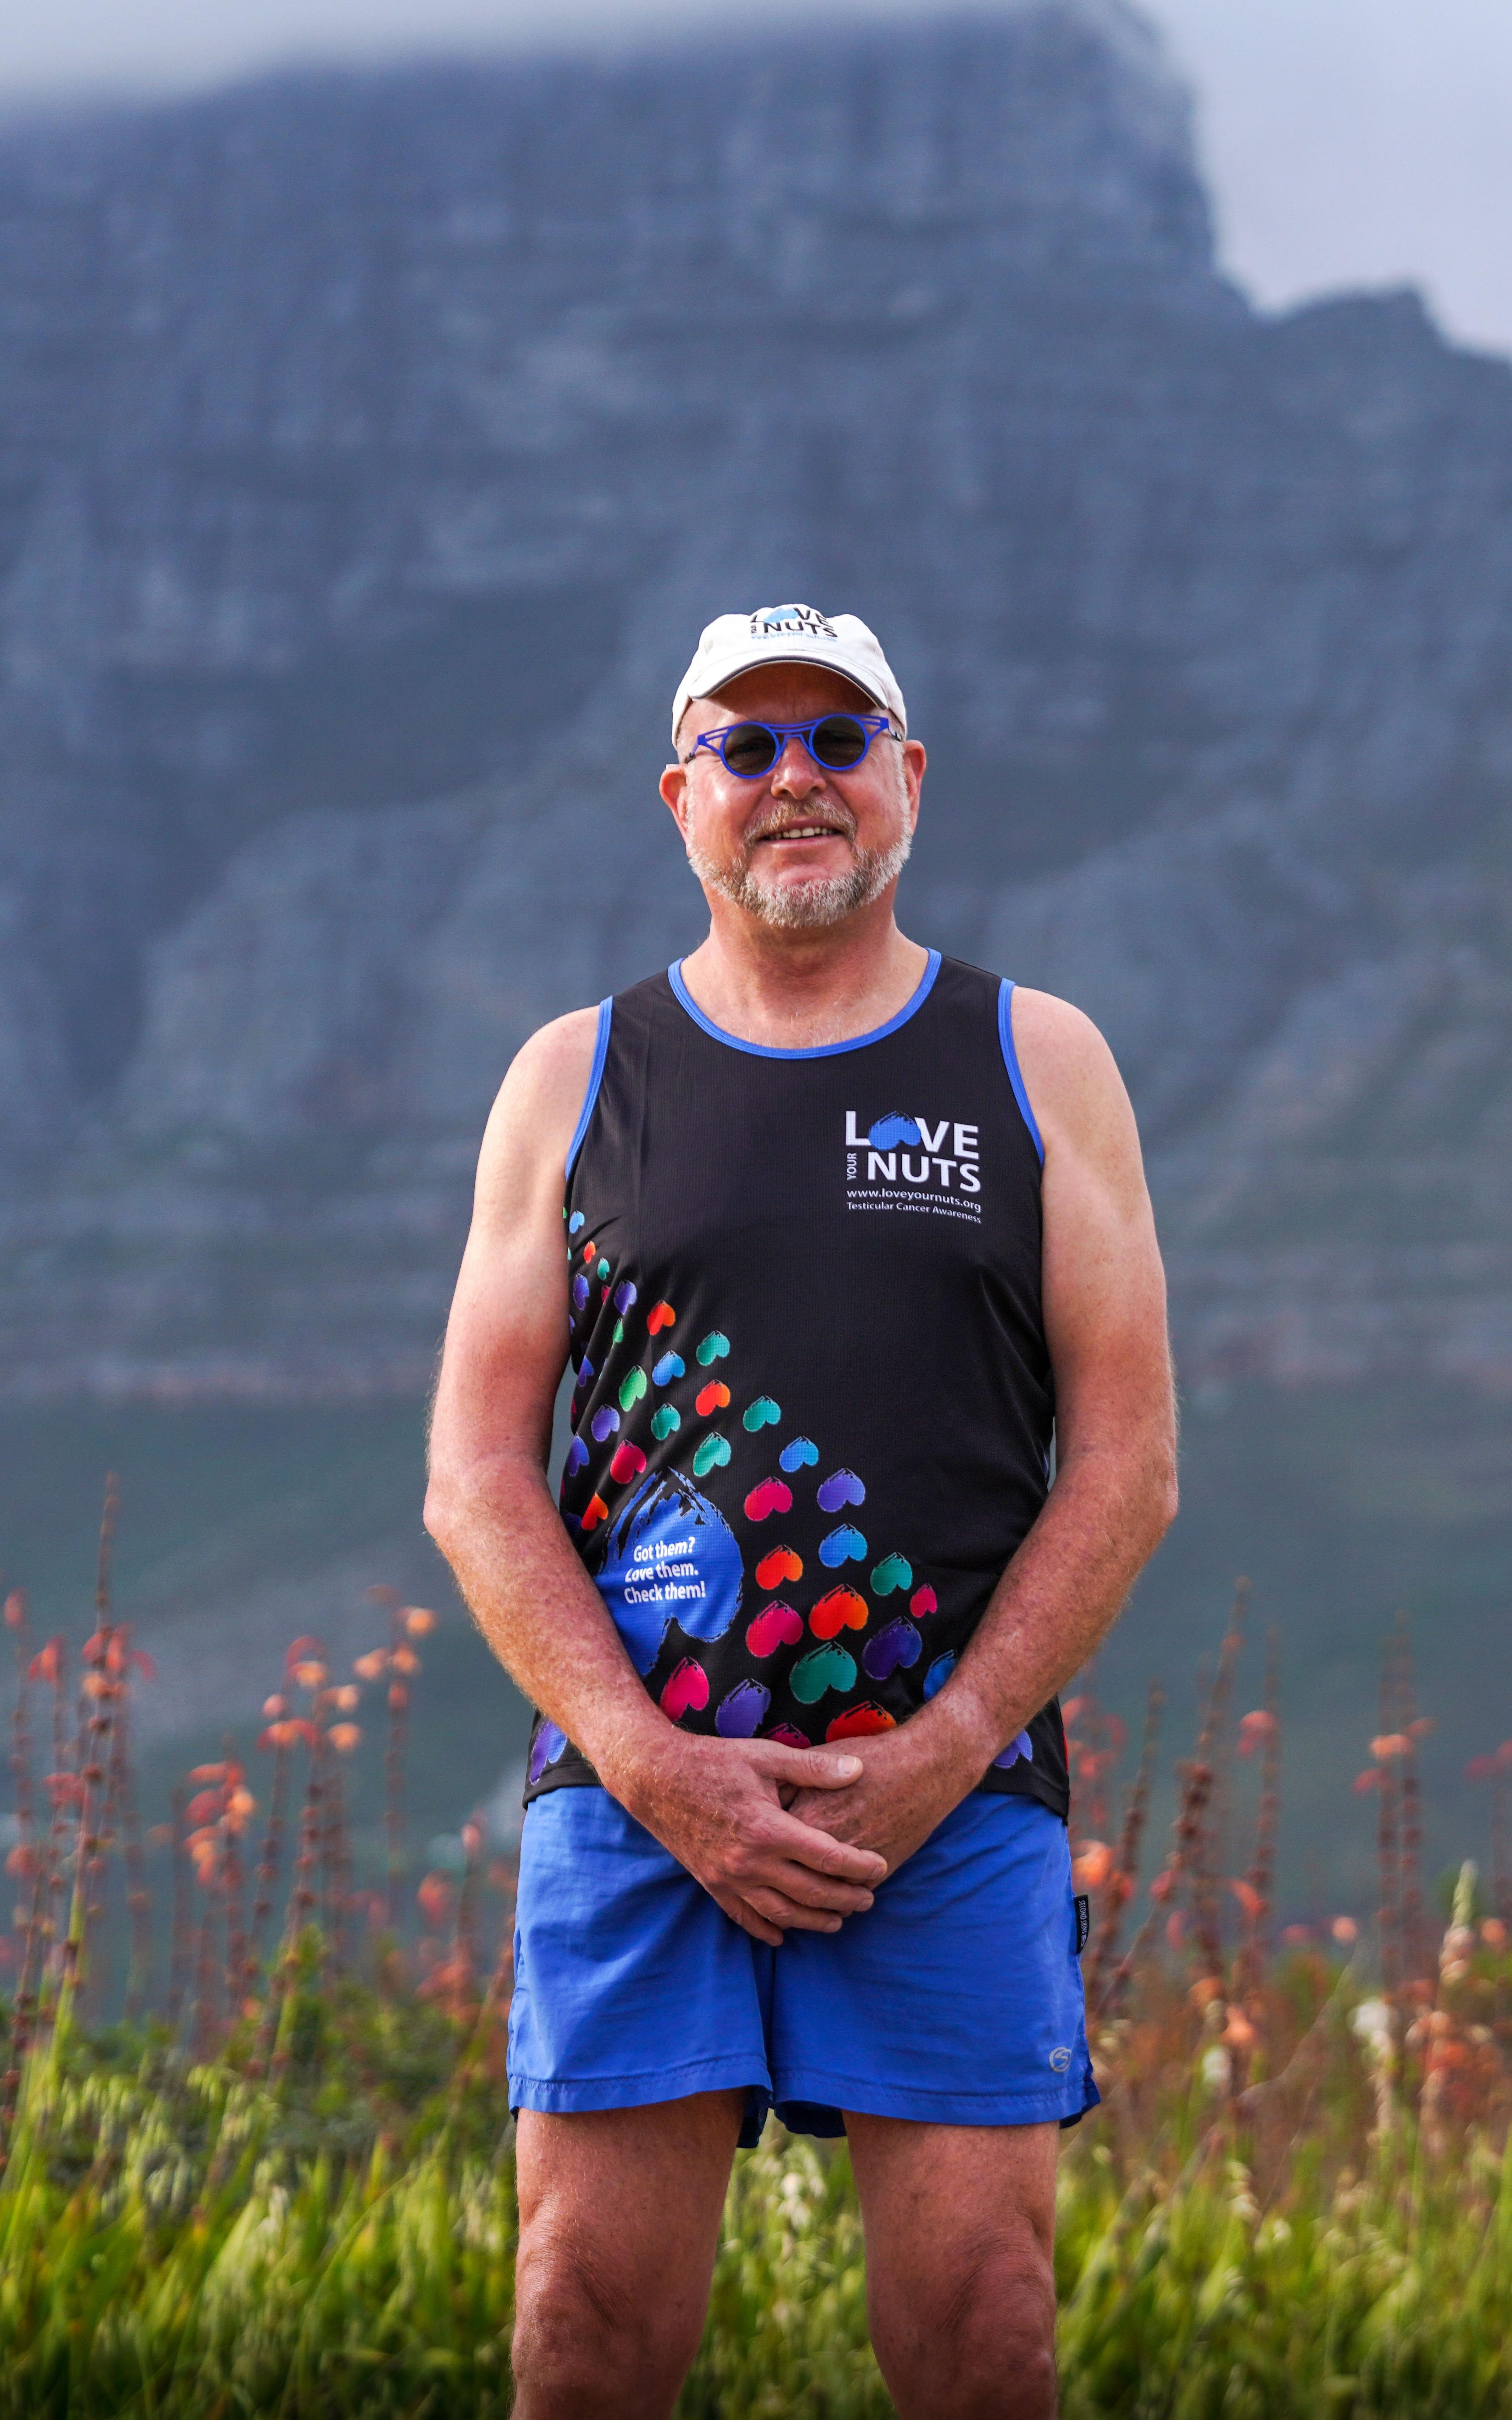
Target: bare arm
x=715, y=1804
x=1103, y=1293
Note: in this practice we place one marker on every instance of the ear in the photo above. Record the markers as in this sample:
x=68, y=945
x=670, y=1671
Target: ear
x=673, y=788
x=913, y=761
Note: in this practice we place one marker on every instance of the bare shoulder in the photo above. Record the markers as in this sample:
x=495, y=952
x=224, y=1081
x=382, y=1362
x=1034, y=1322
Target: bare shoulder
x=1070, y=1075
x=536, y=1110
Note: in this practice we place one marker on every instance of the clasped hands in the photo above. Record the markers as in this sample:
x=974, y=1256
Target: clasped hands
x=785, y=1838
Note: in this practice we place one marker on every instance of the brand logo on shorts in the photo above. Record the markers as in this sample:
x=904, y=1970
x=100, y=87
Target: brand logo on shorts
x=791, y=622
x=1060, y=2060
x=901, y=1161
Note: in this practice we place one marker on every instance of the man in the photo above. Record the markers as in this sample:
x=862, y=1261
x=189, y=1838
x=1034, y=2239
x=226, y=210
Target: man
x=849, y=1230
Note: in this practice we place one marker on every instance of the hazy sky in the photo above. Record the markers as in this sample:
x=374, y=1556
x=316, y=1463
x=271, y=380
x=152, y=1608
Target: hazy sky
x=1348, y=142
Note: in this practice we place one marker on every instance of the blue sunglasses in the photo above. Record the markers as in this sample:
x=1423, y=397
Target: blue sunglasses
x=839, y=742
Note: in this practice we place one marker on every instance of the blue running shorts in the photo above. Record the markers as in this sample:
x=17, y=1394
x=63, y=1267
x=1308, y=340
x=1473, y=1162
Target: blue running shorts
x=956, y=1999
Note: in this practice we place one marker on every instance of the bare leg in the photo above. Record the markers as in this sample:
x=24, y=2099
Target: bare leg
x=960, y=2230
x=619, y=2223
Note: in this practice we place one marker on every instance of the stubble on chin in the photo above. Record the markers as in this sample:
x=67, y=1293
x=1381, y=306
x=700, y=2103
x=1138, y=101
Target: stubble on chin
x=804, y=906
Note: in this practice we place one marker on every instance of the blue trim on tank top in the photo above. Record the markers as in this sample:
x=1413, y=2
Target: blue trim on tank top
x=1010, y=1061
x=595, y=1076
x=819, y=1049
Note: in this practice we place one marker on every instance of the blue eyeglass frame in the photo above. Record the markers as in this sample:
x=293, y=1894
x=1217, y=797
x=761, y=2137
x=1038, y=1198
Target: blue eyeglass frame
x=876, y=726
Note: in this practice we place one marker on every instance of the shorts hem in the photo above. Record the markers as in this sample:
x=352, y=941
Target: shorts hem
x=572, y=2095
x=929, y=2108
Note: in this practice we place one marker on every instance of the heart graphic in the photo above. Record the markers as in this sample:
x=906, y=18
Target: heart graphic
x=590, y=1250
x=712, y=1455
x=670, y=1366
x=1016, y=1748
x=859, y=1722
x=891, y=1573
x=788, y=1736
x=899, y=1643
x=598, y=1510
x=841, y=1488
x=579, y=1291
x=838, y=1609
x=577, y=1457
x=923, y=1601
x=625, y=1297
x=605, y=1422
x=576, y=1222
x=769, y=1498
x=664, y=1420
x=762, y=1414
x=776, y=1625
x=893, y=1130
x=660, y=1316
x=711, y=1397
x=713, y=1348
x=602, y=1270
x=779, y=1565
x=632, y=1387
x=938, y=1674
x=801, y=1450
x=844, y=1546
x=549, y=1743
x=688, y=1686
x=628, y=1462
x=741, y=1714
x=821, y=1669
x=585, y=1370
x=618, y=1337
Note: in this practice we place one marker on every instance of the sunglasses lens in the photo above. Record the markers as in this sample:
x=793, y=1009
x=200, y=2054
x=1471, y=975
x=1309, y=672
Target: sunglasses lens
x=749, y=749
x=840, y=741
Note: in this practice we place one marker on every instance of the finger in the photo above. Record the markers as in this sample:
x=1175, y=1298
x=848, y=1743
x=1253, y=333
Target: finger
x=778, y=1908
x=808, y=1889
x=740, y=1911
x=807, y=1766
x=807, y=1845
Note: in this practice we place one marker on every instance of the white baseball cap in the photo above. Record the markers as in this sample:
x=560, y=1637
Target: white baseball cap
x=789, y=634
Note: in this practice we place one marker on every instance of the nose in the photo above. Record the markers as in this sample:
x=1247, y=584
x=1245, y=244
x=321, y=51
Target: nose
x=795, y=775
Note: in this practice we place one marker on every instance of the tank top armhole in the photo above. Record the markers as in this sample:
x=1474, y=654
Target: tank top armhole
x=1010, y=1061
x=595, y=1076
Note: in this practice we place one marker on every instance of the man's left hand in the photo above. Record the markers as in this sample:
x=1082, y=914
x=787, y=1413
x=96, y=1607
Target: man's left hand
x=912, y=1778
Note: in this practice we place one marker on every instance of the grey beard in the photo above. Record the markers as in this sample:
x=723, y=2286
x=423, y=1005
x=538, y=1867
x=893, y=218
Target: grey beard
x=807, y=906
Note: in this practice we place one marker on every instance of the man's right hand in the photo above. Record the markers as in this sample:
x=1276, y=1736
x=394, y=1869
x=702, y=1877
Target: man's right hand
x=717, y=1805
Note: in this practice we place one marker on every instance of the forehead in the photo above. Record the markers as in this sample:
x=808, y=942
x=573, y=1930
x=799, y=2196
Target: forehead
x=779, y=694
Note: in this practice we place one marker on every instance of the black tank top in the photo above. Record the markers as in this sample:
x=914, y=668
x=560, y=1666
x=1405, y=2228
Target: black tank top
x=812, y=1408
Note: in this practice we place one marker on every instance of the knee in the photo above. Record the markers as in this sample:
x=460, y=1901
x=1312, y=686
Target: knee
x=983, y=2348
x=589, y=2341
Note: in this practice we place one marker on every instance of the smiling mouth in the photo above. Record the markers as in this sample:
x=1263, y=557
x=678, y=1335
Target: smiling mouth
x=801, y=832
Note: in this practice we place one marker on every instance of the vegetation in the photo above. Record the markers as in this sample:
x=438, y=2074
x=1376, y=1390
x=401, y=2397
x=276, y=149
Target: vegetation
x=264, y=2164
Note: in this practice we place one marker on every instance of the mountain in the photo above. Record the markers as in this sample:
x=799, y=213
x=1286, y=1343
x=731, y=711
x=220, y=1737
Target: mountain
x=372, y=449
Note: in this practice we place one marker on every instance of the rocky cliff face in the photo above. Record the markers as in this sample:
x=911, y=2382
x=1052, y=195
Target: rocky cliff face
x=372, y=450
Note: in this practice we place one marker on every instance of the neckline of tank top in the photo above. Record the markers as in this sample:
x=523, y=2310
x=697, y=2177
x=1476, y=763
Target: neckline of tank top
x=818, y=1049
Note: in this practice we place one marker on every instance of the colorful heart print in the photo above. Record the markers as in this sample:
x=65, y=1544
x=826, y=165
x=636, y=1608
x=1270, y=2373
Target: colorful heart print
x=859, y=1722
x=632, y=1387
x=844, y=1546
x=838, y=1609
x=923, y=1601
x=547, y=1745
x=713, y=1453
x=660, y=1316
x=842, y=1487
x=711, y=1397
x=604, y=1423
x=891, y=1573
x=742, y=1714
x=664, y=1420
x=618, y=1337
x=779, y=1564
x=577, y=1457
x=787, y=1737
x=762, y=1414
x=898, y=1643
x=713, y=1348
x=579, y=1291
x=628, y=1462
x=577, y=1223
x=938, y=1674
x=602, y=1270
x=821, y=1669
x=670, y=1366
x=768, y=1498
x=776, y=1625
x=585, y=1370
x=598, y=1510
x=590, y=1249
x=801, y=1451
x=625, y=1298
x=688, y=1688
x=1021, y=1746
